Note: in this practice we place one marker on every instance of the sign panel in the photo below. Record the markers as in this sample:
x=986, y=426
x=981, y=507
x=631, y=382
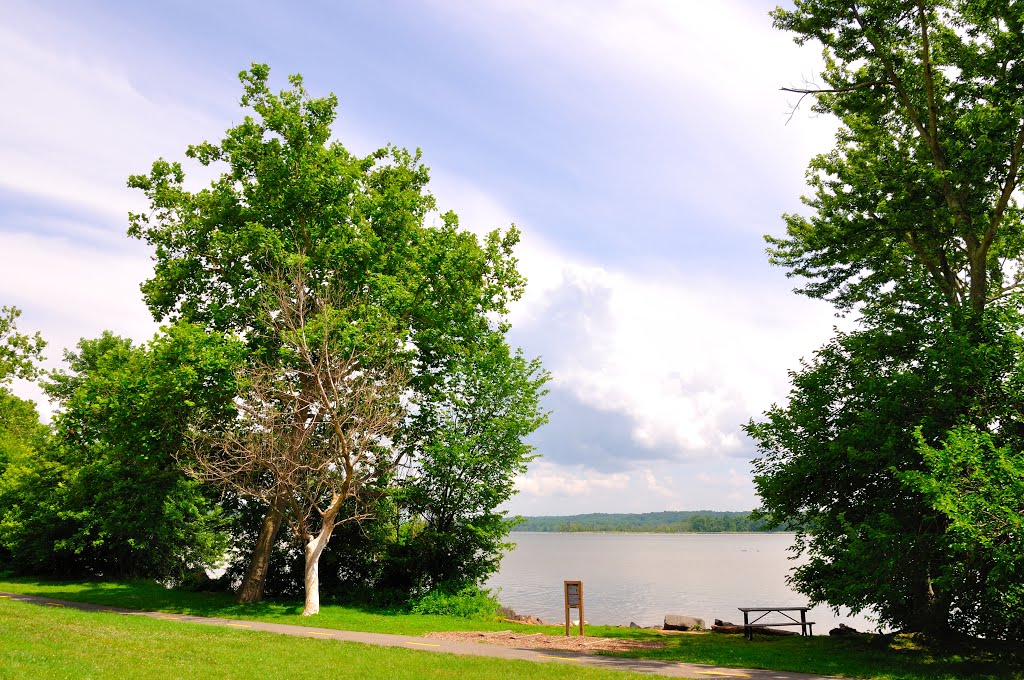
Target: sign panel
x=573, y=600
x=572, y=595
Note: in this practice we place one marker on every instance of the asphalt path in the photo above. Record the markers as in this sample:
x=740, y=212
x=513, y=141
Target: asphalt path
x=670, y=669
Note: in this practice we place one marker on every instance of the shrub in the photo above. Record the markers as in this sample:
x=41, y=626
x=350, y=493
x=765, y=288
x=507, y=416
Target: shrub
x=470, y=602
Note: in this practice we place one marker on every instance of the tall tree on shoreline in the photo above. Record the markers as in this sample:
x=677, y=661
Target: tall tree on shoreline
x=291, y=196
x=915, y=228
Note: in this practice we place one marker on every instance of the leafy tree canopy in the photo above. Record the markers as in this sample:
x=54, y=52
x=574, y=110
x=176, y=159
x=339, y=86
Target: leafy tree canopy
x=919, y=191
x=915, y=227
x=18, y=352
x=290, y=198
x=107, y=497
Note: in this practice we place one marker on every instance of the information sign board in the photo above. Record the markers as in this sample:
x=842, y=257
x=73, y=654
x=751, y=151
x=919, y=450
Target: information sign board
x=573, y=600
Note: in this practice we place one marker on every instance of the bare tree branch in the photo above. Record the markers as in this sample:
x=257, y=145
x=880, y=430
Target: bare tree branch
x=315, y=429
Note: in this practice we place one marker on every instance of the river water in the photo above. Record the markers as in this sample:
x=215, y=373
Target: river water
x=642, y=577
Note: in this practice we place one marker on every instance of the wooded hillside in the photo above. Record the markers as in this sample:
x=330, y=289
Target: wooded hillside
x=690, y=521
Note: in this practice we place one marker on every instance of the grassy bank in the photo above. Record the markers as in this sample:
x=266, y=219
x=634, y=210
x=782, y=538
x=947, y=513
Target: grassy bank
x=902, y=659
x=40, y=642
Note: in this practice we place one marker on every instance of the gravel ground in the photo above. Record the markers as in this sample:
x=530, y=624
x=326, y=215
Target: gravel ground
x=575, y=643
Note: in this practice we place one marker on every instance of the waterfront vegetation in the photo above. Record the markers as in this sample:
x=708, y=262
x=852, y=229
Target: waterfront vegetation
x=699, y=521
x=62, y=642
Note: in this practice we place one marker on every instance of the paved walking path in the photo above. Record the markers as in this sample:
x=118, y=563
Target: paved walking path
x=664, y=668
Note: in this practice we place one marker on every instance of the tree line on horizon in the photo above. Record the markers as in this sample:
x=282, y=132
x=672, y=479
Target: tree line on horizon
x=669, y=522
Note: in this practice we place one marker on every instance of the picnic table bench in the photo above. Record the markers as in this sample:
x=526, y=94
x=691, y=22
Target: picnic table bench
x=749, y=625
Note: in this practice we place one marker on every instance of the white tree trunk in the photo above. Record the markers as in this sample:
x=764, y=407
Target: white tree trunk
x=314, y=548
x=312, y=577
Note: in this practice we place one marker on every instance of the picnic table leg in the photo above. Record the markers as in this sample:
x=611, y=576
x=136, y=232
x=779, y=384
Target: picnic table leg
x=803, y=622
x=748, y=632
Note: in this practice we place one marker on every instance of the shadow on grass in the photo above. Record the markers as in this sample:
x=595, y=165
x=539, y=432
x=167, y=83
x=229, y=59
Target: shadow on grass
x=147, y=595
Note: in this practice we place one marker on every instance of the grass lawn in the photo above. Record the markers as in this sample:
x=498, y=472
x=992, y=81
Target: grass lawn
x=857, y=658
x=40, y=642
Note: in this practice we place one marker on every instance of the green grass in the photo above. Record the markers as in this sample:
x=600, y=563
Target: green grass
x=40, y=642
x=855, y=658
x=902, y=659
x=154, y=597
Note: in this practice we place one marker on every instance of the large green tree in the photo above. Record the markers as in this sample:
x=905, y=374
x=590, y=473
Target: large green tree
x=363, y=227
x=107, y=496
x=915, y=228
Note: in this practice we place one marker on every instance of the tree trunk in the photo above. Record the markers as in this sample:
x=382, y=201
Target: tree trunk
x=255, y=577
x=931, y=615
x=312, y=578
x=314, y=548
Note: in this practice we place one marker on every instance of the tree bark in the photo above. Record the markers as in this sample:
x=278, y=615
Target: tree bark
x=255, y=577
x=313, y=551
x=314, y=548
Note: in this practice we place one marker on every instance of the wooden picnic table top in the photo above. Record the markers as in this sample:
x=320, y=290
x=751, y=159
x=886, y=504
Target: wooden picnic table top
x=774, y=609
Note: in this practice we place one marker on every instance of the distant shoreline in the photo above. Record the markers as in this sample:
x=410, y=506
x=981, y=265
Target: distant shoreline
x=666, y=522
x=651, y=533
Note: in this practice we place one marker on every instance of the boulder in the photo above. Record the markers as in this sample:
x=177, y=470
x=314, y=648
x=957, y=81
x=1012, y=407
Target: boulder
x=843, y=629
x=507, y=614
x=728, y=630
x=682, y=622
x=720, y=622
x=633, y=624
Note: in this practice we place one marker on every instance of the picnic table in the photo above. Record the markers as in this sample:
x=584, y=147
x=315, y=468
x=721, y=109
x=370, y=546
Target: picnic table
x=749, y=625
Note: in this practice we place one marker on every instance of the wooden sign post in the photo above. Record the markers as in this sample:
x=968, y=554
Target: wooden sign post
x=573, y=600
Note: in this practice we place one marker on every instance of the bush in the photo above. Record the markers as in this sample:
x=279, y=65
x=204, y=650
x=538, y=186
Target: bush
x=470, y=602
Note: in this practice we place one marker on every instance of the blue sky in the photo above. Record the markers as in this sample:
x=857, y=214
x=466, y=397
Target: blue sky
x=642, y=147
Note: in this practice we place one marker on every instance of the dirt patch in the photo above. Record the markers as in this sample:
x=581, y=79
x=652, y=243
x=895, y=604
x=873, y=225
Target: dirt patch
x=507, y=638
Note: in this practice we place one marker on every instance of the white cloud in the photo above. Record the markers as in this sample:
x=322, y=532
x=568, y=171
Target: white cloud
x=688, y=359
x=660, y=487
x=81, y=126
x=547, y=479
x=69, y=291
x=685, y=95
x=552, y=489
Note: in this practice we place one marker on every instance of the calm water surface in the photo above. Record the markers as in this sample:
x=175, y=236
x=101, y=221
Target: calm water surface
x=642, y=577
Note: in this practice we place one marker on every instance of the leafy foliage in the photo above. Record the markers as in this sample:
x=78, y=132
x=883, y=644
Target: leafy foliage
x=108, y=498
x=918, y=193
x=978, y=488
x=290, y=198
x=18, y=352
x=473, y=425
x=470, y=602
x=916, y=228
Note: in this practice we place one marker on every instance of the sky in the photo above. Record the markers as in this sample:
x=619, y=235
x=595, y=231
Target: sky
x=643, y=148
